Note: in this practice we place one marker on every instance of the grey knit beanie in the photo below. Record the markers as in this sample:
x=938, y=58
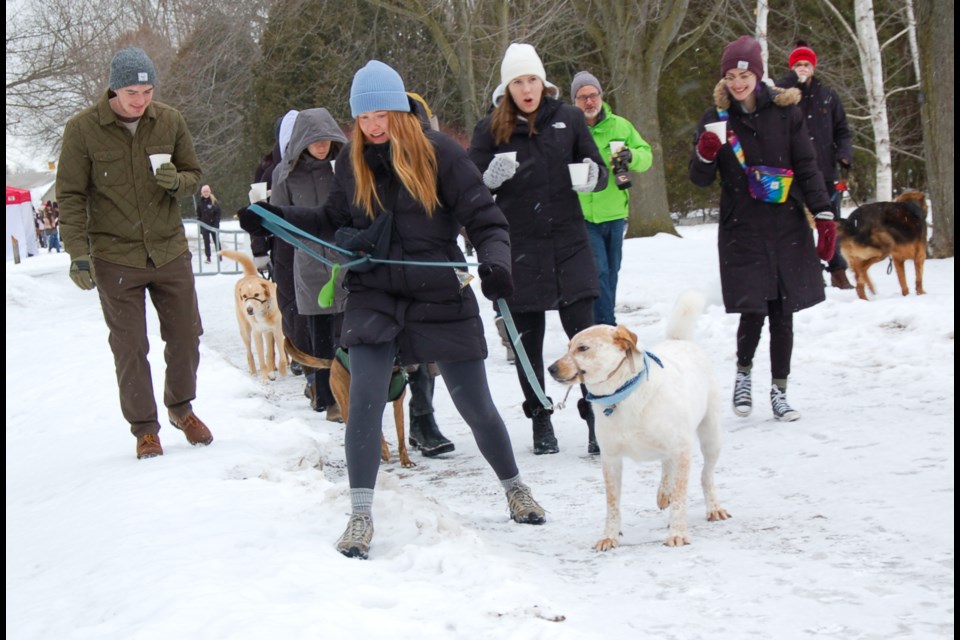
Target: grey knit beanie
x=584, y=79
x=377, y=87
x=131, y=66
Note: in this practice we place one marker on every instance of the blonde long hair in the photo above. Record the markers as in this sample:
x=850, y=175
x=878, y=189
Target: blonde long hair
x=414, y=160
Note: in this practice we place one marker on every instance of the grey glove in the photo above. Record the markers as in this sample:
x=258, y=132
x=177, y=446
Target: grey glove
x=593, y=173
x=167, y=176
x=262, y=263
x=500, y=170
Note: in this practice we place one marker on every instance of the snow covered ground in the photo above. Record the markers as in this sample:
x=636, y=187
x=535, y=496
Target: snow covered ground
x=843, y=522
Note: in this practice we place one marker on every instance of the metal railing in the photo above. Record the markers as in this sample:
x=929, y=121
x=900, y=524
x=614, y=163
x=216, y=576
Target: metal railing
x=234, y=239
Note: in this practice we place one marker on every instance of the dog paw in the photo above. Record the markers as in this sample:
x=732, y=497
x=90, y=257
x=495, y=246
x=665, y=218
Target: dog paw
x=718, y=514
x=663, y=499
x=605, y=544
x=676, y=540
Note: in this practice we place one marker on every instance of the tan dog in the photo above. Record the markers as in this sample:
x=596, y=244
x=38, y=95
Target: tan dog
x=877, y=230
x=259, y=319
x=340, y=387
x=650, y=406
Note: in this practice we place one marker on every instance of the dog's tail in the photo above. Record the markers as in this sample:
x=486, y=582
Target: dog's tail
x=683, y=319
x=303, y=358
x=249, y=269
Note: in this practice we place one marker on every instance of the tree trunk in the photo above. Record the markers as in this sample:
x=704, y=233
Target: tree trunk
x=871, y=64
x=935, y=26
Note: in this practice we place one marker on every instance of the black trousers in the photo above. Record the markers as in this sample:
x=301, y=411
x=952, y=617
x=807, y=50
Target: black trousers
x=781, y=338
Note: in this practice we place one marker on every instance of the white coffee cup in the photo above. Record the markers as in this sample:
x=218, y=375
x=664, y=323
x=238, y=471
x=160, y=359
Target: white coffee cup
x=157, y=159
x=579, y=172
x=719, y=128
x=258, y=192
x=333, y=166
x=615, y=146
x=511, y=155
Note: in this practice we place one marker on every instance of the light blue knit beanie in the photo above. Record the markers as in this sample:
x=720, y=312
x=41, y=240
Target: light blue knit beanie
x=131, y=66
x=377, y=87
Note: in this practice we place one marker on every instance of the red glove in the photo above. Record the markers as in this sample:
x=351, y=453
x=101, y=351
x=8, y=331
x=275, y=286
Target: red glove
x=826, y=239
x=708, y=146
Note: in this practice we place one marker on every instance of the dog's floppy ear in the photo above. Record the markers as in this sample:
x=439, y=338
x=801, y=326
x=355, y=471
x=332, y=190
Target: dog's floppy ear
x=624, y=338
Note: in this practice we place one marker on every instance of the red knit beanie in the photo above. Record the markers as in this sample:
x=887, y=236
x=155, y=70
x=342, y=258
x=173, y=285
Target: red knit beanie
x=742, y=53
x=802, y=52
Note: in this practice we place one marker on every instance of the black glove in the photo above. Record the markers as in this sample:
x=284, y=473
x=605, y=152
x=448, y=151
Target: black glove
x=624, y=155
x=253, y=223
x=495, y=282
x=167, y=176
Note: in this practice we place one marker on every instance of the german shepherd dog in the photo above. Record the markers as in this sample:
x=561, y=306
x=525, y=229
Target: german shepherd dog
x=340, y=387
x=877, y=230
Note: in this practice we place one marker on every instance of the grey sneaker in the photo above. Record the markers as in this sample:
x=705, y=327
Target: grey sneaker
x=742, y=397
x=523, y=508
x=782, y=411
x=355, y=541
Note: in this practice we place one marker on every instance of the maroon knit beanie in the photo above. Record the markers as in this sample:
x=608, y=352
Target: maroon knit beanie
x=802, y=52
x=742, y=53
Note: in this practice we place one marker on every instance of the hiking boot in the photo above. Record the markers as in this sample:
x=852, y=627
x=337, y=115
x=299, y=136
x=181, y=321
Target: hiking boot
x=523, y=508
x=425, y=435
x=544, y=440
x=311, y=392
x=585, y=407
x=782, y=411
x=355, y=541
x=148, y=446
x=296, y=368
x=742, y=395
x=505, y=339
x=839, y=280
x=334, y=414
x=192, y=427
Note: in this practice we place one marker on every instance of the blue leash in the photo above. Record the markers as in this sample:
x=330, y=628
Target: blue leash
x=289, y=233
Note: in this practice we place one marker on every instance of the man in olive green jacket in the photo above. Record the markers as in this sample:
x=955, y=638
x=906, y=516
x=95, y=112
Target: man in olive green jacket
x=606, y=211
x=120, y=223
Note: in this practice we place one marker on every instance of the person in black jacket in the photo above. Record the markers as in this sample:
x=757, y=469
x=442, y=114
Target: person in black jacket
x=209, y=210
x=409, y=190
x=553, y=265
x=768, y=262
x=827, y=125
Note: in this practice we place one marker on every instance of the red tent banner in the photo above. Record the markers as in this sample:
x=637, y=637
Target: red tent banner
x=17, y=196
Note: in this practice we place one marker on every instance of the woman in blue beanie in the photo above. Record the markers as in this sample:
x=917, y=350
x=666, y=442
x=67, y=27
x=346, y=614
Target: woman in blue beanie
x=413, y=189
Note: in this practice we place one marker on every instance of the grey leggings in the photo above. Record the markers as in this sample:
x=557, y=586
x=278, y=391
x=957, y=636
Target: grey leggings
x=370, y=371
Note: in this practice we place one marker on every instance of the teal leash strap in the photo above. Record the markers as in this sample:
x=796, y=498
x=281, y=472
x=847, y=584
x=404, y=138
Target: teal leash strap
x=522, y=354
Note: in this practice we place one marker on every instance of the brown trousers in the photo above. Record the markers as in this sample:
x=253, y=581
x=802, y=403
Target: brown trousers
x=174, y=296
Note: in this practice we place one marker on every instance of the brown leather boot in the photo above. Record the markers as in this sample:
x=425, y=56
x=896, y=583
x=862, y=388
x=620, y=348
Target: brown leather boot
x=148, y=446
x=839, y=280
x=192, y=427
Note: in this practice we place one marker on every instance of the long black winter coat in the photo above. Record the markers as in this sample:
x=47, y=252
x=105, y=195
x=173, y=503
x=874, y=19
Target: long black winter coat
x=766, y=250
x=209, y=212
x=553, y=264
x=424, y=308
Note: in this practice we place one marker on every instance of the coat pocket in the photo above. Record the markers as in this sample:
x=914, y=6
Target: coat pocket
x=109, y=168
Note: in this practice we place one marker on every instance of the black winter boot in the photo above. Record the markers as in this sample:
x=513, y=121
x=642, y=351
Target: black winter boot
x=585, y=407
x=425, y=435
x=544, y=440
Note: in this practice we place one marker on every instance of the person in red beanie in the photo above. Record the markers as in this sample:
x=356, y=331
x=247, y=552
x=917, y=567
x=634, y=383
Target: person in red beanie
x=827, y=125
x=768, y=262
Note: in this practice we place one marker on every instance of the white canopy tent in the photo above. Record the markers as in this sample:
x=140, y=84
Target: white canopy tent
x=21, y=238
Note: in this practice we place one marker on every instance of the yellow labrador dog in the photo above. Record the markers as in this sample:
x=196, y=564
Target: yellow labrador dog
x=259, y=319
x=650, y=405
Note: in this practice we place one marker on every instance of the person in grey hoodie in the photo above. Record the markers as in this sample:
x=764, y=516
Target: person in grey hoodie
x=305, y=178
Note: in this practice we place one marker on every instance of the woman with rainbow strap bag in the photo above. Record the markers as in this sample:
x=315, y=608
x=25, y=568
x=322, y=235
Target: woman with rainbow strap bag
x=769, y=265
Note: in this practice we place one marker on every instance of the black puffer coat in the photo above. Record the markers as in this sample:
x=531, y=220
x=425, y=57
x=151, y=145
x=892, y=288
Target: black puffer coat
x=553, y=264
x=424, y=308
x=766, y=250
x=209, y=210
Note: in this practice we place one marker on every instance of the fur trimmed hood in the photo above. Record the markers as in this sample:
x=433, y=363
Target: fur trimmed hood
x=779, y=97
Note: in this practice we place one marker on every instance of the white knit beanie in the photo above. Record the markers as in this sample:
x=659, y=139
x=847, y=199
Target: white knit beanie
x=521, y=59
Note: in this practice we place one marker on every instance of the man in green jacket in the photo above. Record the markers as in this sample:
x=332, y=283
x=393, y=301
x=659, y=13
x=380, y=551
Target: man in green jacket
x=120, y=223
x=606, y=211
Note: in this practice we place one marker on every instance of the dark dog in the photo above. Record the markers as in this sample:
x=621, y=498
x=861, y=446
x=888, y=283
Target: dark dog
x=340, y=387
x=880, y=229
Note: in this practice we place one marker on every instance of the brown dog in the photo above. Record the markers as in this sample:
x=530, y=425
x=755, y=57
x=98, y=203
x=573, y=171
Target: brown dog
x=258, y=317
x=340, y=387
x=880, y=229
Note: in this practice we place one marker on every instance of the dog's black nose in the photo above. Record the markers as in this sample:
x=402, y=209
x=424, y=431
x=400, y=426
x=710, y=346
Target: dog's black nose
x=552, y=369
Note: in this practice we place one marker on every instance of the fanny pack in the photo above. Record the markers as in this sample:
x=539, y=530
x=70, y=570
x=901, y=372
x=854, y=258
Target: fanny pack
x=766, y=184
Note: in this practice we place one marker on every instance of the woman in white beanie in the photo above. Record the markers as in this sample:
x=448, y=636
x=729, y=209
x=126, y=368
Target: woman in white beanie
x=410, y=190
x=553, y=266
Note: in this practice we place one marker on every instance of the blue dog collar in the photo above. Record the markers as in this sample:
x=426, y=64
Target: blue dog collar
x=610, y=402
